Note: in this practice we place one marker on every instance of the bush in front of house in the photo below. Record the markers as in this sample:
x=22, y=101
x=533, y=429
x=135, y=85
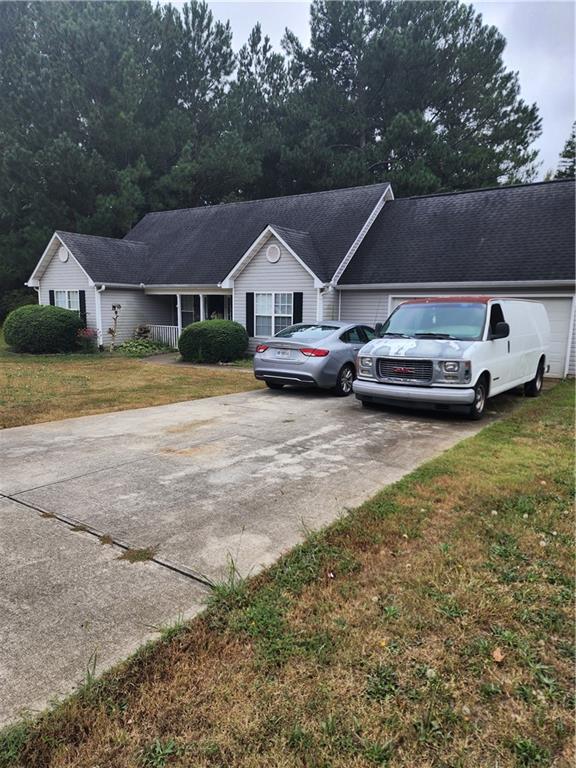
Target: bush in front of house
x=213, y=341
x=87, y=340
x=42, y=329
x=140, y=348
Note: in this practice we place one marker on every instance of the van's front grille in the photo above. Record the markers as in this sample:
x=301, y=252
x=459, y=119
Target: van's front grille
x=401, y=369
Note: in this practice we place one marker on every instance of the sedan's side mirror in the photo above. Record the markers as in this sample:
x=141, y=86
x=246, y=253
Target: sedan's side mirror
x=501, y=331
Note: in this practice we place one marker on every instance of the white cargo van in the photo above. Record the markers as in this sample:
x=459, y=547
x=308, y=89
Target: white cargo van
x=455, y=352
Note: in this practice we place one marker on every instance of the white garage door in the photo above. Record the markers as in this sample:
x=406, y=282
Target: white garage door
x=560, y=312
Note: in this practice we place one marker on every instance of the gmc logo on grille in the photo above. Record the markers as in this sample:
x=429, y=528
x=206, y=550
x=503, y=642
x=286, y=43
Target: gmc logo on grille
x=403, y=370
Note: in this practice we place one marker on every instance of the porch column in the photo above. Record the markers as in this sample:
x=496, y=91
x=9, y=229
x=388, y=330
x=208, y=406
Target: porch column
x=202, y=308
x=179, y=313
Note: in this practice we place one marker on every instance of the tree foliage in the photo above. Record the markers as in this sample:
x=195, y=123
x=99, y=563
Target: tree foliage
x=115, y=108
x=567, y=163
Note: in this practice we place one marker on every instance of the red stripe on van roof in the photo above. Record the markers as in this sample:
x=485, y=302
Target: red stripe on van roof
x=448, y=299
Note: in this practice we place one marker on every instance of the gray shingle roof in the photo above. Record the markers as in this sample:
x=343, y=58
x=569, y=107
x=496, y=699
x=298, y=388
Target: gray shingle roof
x=302, y=244
x=202, y=245
x=109, y=260
x=509, y=233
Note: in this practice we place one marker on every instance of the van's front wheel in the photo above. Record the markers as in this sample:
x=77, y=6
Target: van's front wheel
x=476, y=410
x=534, y=387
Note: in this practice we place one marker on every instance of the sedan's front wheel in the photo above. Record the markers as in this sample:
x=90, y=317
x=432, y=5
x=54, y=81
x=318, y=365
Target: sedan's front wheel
x=345, y=380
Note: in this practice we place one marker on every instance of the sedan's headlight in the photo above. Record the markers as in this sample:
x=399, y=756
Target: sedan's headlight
x=451, y=366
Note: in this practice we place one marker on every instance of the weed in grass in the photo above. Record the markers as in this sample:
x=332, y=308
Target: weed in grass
x=382, y=683
x=12, y=741
x=300, y=740
x=451, y=609
x=490, y=690
x=230, y=592
x=90, y=679
x=157, y=754
x=138, y=555
x=528, y=753
x=169, y=631
x=390, y=612
x=378, y=754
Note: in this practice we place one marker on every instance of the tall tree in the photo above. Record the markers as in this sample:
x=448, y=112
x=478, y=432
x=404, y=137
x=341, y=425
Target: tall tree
x=567, y=163
x=413, y=92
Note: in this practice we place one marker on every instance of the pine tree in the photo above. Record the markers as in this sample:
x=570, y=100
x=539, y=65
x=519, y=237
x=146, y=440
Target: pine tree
x=567, y=163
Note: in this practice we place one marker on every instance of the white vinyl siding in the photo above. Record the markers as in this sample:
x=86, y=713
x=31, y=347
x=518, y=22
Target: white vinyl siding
x=67, y=276
x=286, y=276
x=137, y=308
x=329, y=305
x=367, y=306
x=572, y=353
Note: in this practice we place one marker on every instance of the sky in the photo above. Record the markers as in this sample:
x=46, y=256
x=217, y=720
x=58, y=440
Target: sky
x=540, y=37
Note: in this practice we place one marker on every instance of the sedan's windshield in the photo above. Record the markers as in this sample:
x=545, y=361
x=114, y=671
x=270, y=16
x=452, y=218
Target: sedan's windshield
x=306, y=333
x=442, y=320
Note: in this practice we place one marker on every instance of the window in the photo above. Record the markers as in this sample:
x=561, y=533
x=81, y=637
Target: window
x=462, y=320
x=496, y=316
x=272, y=312
x=307, y=333
x=67, y=300
x=370, y=333
x=353, y=336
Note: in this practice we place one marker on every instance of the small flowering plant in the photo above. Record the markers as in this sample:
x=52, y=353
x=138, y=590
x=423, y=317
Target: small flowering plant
x=87, y=338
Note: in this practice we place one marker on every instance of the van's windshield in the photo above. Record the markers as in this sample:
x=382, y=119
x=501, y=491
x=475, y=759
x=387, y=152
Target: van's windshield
x=442, y=320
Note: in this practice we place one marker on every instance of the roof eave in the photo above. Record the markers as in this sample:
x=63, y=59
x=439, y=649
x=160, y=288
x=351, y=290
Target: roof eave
x=459, y=284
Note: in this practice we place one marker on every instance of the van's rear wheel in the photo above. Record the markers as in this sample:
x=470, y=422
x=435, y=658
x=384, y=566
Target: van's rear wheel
x=534, y=387
x=476, y=410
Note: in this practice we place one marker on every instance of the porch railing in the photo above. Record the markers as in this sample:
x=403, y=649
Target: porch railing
x=165, y=334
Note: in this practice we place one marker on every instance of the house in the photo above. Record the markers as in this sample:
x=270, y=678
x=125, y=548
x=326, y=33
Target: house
x=349, y=254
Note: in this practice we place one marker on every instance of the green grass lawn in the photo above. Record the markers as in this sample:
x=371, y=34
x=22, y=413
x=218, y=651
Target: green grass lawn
x=36, y=388
x=432, y=626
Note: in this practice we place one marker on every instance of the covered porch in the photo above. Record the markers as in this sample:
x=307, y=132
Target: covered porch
x=190, y=307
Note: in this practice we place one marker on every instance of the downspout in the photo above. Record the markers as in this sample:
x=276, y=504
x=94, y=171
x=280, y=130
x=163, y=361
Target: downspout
x=98, y=304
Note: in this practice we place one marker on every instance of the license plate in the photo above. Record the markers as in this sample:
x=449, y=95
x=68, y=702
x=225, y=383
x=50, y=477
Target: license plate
x=283, y=353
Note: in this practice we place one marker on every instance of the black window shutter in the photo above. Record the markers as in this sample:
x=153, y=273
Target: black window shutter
x=250, y=314
x=82, y=302
x=297, y=307
x=51, y=297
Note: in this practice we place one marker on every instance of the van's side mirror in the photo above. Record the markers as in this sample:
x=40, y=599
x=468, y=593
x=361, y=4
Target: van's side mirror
x=501, y=331
x=378, y=329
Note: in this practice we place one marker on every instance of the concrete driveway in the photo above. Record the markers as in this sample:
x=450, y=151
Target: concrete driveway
x=236, y=478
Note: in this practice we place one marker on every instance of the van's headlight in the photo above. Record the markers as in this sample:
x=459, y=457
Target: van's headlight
x=365, y=367
x=451, y=366
x=454, y=371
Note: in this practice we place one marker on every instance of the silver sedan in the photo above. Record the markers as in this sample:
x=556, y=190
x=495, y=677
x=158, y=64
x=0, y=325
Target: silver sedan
x=319, y=354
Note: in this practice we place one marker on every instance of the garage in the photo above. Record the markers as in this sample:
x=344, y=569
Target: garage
x=562, y=341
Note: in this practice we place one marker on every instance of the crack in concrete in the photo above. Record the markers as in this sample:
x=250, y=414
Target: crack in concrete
x=72, y=522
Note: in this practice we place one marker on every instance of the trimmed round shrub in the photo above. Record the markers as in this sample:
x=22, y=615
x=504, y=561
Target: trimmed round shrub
x=213, y=341
x=42, y=329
